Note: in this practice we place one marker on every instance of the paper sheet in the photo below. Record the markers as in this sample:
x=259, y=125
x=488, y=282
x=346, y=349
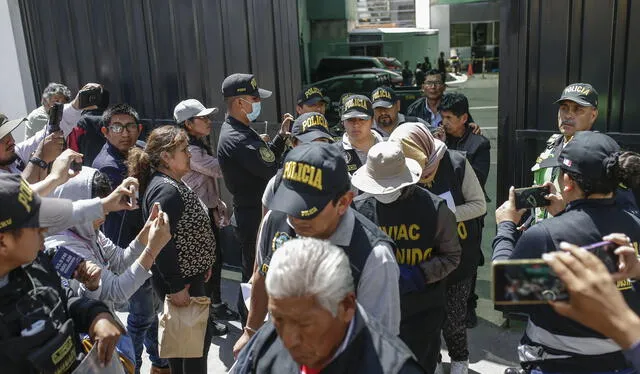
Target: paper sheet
x=448, y=197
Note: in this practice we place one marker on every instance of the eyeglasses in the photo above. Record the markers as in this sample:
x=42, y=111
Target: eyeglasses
x=433, y=84
x=119, y=127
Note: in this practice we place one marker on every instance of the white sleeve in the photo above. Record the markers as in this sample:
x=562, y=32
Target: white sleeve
x=475, y=205
x=70, y=118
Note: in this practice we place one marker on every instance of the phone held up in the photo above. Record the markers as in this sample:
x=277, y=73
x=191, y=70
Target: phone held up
x=531, y=197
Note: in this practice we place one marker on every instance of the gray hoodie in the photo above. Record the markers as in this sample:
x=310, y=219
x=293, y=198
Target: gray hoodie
x=121, y=274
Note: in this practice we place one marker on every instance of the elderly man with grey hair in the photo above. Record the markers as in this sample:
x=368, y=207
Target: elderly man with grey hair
x=38, y=118
x=317, y=324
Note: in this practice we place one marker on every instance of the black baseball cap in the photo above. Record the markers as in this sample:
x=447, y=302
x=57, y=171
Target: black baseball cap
x=311, y=96
x=311, y=126
x=580, y=93
x=383, y=97
x=357, y=106
x=313, y=174
x=243, y=84
x=584, y=154
x=23, y=208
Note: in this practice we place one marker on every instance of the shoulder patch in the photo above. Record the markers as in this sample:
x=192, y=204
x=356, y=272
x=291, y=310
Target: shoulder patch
x=347, y=156
x=279, y=239
x=266, y=154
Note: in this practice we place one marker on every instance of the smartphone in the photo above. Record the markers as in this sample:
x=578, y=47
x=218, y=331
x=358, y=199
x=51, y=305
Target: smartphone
x=526, y=282
x=133, y=201
x=76, y=166
x=605, y=252
x=531, y=197
x=90, y=97
x=55, y=116
x=66, y=261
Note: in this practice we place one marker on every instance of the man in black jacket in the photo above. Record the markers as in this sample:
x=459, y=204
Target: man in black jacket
x=318, y=325
x=386, y=109
x=40, y=318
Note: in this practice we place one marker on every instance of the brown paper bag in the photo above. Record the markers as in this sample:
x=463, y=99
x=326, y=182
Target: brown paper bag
x=181, y=330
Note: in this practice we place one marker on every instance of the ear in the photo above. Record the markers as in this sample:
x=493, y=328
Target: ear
x=4, y=243
x=568, y=184
x=344, y=202
x=104, y=131
x=299, y=109
x=465, y=117
x=397, y=105
x=165, y=157
x=347, y=308
x=139, y=127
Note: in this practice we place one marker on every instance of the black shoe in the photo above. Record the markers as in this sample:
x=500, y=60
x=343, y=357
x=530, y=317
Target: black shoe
x=513, y=371
x=223, y=312
x=472, y=319
x=217, y=328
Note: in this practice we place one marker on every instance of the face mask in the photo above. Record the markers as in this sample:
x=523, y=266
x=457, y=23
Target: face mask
x=255, y=110
x=388, y=198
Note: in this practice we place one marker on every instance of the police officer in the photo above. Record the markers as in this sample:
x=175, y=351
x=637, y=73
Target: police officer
x=424, y=231
x=313, y=200
x=312, y=100
x=589, y=169
x=357, y=118
x=40, y=318
x=386, y=108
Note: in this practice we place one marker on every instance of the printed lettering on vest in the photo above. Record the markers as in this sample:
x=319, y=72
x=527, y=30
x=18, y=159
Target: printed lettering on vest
x=412, y=256
x=25, y=196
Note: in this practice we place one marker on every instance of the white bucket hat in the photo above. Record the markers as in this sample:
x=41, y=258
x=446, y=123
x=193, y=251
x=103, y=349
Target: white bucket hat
x=386, y=170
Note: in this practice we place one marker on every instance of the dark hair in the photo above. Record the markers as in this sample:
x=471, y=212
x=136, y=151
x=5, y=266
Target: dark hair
x=620, y=167
x=100, y=185
x=628, y=171
x=119, y=109
x=340, y=193
x=143, y=162
x=455, y=103
x=201, y=142
x=435, y=72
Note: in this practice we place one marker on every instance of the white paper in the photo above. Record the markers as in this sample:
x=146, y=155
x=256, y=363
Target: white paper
x=246, y=296
x=448, y=197
x=91, y=364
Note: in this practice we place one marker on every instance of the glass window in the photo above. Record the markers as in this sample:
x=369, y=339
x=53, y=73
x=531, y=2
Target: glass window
x=460, y=35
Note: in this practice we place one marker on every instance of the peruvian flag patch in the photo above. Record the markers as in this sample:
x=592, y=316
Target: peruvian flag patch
x=567, y=162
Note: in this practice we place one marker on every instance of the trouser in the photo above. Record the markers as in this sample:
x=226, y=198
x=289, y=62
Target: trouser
x=472, y=300
x=421, y=333
x=212, y=287
x=246, y=230
x=455, y=328
x=191, y=365
x=142, y=324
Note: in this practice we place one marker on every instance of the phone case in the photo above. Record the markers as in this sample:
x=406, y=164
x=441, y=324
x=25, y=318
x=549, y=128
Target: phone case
x=66, y=261
x=531, y=197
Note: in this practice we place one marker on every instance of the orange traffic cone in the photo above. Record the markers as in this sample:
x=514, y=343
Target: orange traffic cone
x=470, y=70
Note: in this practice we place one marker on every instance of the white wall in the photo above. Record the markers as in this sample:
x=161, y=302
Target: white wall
x=423, y=14
x=16, y=96
x=440, y=20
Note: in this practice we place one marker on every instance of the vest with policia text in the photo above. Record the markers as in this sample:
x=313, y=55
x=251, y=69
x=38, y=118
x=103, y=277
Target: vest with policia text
x=410, y=221
x=366, y=235
x=449, y=178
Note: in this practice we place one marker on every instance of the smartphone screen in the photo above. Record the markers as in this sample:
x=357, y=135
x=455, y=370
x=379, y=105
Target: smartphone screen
x=531, y=197
x=605, y=252
x=526, y=282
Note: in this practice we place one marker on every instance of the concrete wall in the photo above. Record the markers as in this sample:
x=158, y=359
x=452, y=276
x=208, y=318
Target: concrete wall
x=440, y=20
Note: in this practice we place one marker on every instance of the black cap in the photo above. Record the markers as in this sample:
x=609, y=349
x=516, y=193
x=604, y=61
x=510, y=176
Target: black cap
x=585, y=154
x=243, y=84
x=580, y=93
x=311, y=96
x=311, y=126
x=357, y=106
x=23, y=208
x=383, y=97
x=313, y=174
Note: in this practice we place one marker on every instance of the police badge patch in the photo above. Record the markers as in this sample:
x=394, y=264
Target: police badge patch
x=347, y=157
x=279, y=239
x=266, y=154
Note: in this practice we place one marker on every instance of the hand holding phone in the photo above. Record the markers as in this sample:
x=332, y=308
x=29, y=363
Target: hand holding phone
x=532, y=197
x=66, y=261
x=526, y=282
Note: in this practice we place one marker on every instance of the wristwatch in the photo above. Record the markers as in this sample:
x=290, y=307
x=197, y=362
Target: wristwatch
x=39, y=162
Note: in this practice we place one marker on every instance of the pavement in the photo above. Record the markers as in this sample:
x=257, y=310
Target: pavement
x=492, y=344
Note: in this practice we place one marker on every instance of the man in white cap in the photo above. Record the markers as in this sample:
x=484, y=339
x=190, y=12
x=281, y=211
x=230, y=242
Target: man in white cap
x=424, y=231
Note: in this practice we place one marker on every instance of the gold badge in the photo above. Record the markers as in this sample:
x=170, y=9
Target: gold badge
x=266, y=154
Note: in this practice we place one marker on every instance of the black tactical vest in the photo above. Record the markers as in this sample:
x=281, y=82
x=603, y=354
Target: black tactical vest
x=366, y=235
x=352, y=159
x=449, y=177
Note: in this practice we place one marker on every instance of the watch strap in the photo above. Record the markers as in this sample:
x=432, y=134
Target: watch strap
x=39, y=162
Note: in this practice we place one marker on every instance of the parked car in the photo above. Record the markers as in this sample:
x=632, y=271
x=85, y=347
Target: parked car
x=396, y=78
x=392, y=63
x=337, y=65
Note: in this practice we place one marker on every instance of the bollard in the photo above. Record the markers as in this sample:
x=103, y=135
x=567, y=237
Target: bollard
x=484, y=61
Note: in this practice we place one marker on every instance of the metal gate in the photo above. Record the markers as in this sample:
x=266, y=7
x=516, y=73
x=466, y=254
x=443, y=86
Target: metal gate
x=153, y=54
x=547, y=44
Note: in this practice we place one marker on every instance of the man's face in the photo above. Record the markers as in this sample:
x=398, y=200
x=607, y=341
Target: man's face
x=7, y=150
x=453, y=125
x=54, y=99
x=129, y=132
x=319, y=107
x=573, y=117
x=433, y=87
x=324, y=224
x=308, y=331
x=22, y=247
x=358, y=129
x=387, y=117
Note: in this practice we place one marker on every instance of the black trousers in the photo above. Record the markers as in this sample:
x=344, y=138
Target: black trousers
x=421, y=333
x=190, y=365
x=212, y=287
x=246, y=231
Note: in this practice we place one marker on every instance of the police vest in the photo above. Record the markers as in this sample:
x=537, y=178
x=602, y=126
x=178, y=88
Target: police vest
x=352, y=159
x=449, y=178
x=410, y=221
x=366, y=235
x=35, y=301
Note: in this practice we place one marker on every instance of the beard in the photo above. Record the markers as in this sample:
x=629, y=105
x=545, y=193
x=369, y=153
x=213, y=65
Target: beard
x=385, y=121
x=9, y=160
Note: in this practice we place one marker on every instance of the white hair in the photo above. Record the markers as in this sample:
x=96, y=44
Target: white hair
x=304, y=267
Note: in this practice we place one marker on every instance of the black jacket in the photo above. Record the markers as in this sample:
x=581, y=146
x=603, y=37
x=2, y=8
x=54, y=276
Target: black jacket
x=370, y=350
x=477, y=149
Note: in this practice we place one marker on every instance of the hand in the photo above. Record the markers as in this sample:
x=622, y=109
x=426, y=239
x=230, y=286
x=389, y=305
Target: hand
x=105, y=332
x=119, y=198
x=594, y=299
x=61, y=168
x=265, y=138
x=143, y=236
x=88, y=273
x=207, y=275
x=220, y=214
x=507, y=212
x=240, y=343
x=76, y=101
x=51, y=147
x=440, y=134
x=628, y=263
x=181, y=298
x=159, y=233
x=285, y=127
x=475, y=128
x=557, y=202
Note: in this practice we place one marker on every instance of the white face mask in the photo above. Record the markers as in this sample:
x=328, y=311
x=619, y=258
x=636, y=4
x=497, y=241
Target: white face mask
x=388, y=198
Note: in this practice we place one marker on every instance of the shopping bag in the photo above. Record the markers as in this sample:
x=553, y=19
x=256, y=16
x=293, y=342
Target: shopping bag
x=181, y=329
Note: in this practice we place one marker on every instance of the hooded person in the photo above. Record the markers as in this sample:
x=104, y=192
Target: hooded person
x=449, y=175
x=123, y=271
